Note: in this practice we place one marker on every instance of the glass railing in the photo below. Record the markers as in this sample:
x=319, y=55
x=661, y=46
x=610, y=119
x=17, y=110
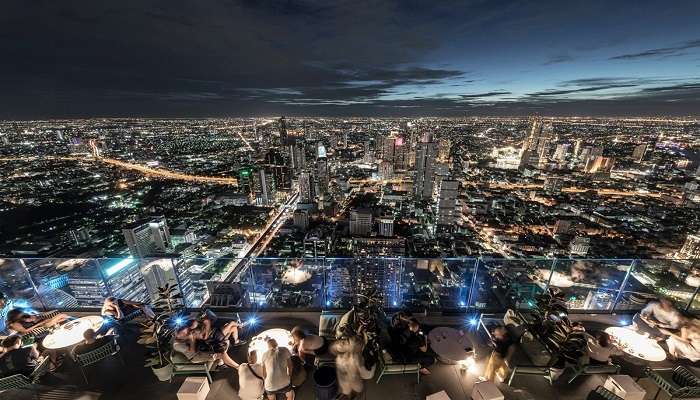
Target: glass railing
x=434, y=285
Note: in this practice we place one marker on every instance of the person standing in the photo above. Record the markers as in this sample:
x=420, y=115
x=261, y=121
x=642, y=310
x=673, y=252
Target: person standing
x=277, y=371
x=502, y=348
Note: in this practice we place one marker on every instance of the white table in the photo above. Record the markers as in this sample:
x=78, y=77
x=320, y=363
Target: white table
x=450, y=344
x=259, y=341
x=625, y=387
x=486, y=391
x=71, y=333
x=636, y=344
x=194, y=388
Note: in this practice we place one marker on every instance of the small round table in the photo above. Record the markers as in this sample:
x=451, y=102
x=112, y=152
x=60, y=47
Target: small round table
x=636, y=344
x=259, y=341
x=71, y=333
x=450, y=345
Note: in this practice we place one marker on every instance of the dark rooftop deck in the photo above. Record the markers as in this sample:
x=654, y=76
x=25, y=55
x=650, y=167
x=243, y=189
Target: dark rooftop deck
x=109, y=380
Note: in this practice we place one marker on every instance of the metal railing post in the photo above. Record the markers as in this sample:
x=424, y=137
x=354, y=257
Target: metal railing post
x=551, y=274
x=470, y=296
x=31, y=282
x=623, y=285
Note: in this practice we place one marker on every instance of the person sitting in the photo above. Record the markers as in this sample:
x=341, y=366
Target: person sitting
x=91, y=342
x=658, y=319
x=189, y=341
x=251, y=384
x=414, y=347
x=600, y=349
x=502, y=347
x=119, y=309
x=308, y=345
x=17, y=359
x=23, y=323
x=219, y=331
x=686, y=343
x=277, y=371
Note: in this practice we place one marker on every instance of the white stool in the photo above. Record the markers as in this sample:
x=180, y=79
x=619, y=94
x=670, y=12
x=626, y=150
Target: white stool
x=486, y=391
x=625, y=387
x=441, y=395
x=194, y=388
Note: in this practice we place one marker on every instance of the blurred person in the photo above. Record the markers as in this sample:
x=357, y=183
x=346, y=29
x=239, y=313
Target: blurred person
x=277, y=371
x=17, y=359
x=188, y=341
x=414, y=347
x=308, y=345
x=119, y=309
x=685, y=343
x=502, y=350
x=350, y=365
x=21, y=322
x=658, y=319
x=91, y=341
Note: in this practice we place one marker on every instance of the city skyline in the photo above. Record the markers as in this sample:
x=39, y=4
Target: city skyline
x=391, y=58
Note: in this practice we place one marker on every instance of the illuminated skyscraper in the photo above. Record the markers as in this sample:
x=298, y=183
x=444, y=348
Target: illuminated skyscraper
x=263, y=187
x=276, y=166
x=360, y=222
x=535, y=151
x=426, y=153
x=447, y=202
x=147, y=237
x=306, y=188
x=386, y=226
x=639, y=152
x=690, y=249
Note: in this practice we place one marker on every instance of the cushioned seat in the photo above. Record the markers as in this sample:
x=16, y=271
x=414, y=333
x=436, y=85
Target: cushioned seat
x=678, y=383
x=183, y=366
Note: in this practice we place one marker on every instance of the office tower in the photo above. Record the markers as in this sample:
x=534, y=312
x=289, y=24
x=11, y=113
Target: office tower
x=580, y=246
x=560, y=152
x=316, y=244
x=445, y=147
x=125, y=280
x=147, y=237
x=639, y=152
x=447, y=202
x=360, y=222
x=426, y=153
x=306, y=187
x=386, y=226
x=401, y=153
x=245, y=180
x=553, y=185
x=562, y=227
x=298, y=155
x=276, y=166
x=599, y=165
x=157, y=274
x=690, y=249
x=79, y=236
x=386, y=170
x=301, y=219
x=577, y=147
x=283, y=131
x=387, y=149
x=369, y=152
x=322, y=175
x=263, y=187
x=536, y=148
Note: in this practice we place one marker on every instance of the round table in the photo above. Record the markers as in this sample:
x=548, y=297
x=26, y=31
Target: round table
x=71, y=333
x=259, y=341
x=450, y=344
x=636, y=344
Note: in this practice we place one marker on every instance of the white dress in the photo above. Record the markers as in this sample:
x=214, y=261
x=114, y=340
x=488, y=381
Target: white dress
x=250, y=386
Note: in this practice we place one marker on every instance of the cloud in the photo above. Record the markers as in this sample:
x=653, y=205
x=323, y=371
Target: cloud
x=486, y=94
x=660, y=52
x=562, y=58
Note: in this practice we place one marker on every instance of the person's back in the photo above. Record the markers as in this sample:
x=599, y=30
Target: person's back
x=94, y=345
x=275, y=362
x=250, y=381
x=17, y=360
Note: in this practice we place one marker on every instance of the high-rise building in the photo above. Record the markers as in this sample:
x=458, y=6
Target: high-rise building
x=301, y=219
x=690, y=249
x=447, y=202
x=426, y=153
x=322, y=175
x=147, y=237
x=263, y=187
x=386, y=170
x=245, y=180
x=306, y=187
x=580, y=246
x=386, y=226
x=444, y=149
x=562, y=227
x=561, y=151
x=535, y=152
x=553, y=185
x=639, y=152
x=298, y=154
x=360, y=222
x=276, y=166
x=283, y=131
x=599, y=165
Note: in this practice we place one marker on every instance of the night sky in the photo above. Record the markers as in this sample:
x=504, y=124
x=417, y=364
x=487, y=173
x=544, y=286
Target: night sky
x=175, y=58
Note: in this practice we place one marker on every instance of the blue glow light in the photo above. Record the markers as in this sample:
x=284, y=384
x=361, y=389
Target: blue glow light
x=118, y=266
x=252, y=321
x=624, y=322
x=179, y=321
x=394, y=303
x=328, y=303
x=461, y=304
x=473, y=322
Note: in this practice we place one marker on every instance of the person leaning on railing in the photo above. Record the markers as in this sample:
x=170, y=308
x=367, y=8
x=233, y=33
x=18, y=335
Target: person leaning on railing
x=21, y=322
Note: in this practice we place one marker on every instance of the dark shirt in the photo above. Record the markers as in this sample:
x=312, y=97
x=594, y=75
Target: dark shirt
x=502, y=345
x=19, y=361
x=86, y=348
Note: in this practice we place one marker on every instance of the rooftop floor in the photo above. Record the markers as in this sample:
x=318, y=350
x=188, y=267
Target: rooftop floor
x=110, y=380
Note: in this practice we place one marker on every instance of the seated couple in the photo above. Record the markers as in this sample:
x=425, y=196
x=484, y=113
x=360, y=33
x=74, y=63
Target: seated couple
x=206, y=339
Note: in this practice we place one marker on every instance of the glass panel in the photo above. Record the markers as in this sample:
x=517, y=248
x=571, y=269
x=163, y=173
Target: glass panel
x=17, y=287
x=436, y=284
x=228, y=281
x=502, y=284
x=590, y=285
x=124, y=278
x=340, y=286
x=676, y=280
x=66, y=283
